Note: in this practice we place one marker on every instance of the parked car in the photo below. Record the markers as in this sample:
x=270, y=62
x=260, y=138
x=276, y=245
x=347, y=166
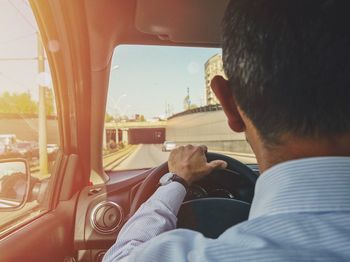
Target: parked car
x=168, y=146
x=52, y=150
x=25, y=149
x=2, y=149
x=7, y=142
x=7, y=139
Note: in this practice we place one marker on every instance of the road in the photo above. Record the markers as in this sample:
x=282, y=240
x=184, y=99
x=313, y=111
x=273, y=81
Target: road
x=146, y=156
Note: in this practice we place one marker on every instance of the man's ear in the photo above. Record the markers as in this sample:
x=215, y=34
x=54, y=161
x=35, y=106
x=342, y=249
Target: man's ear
x=223, y=92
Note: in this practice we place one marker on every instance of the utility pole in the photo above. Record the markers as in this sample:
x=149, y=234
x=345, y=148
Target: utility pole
x=189, y=99
x=42, y=104
x=42, y=112
x=42, y=107
x=166, y=109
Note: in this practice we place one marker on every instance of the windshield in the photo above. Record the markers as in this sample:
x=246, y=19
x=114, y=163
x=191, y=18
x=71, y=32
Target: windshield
x=162, y=94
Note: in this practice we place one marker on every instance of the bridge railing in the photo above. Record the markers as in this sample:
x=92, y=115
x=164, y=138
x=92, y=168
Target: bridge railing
x=208, y=108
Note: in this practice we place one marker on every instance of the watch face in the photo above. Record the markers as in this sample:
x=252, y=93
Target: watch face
x=165, y=179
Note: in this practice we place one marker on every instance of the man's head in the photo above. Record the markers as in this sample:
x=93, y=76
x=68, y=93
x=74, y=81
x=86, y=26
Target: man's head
x=288, y=68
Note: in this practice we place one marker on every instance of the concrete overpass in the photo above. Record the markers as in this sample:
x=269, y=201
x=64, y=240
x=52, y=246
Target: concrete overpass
x=121, y=131
x=209, y=128
x=206, y=125
x=27, y=129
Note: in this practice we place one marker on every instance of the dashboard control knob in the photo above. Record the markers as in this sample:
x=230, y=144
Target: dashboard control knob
x=106, y=217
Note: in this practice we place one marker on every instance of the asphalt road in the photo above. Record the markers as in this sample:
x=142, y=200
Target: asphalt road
x=146, y=156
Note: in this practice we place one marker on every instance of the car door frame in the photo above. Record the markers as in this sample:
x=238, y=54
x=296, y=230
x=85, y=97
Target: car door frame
x=49, y=236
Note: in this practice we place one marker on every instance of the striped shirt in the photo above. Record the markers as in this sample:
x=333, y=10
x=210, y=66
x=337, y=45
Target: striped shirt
x=300, y=212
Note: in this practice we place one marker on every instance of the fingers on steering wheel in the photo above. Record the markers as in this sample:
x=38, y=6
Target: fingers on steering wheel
x=189, y=147
x=204, y=148
x=217, y=164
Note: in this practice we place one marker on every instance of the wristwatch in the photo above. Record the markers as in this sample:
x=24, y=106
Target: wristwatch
x=172, y=177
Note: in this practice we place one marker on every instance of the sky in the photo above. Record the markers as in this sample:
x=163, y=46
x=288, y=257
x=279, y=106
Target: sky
x=18, y=40
x=145, y=80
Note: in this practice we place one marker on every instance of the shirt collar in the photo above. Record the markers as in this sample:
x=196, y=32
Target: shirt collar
x=319, y=184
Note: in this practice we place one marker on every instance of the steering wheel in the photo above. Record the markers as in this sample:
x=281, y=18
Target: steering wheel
x=210, y=216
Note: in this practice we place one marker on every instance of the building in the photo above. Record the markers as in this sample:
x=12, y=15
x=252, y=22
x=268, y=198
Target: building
x=212, y=68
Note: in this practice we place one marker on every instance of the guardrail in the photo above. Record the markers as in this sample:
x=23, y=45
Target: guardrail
x=110, y=160
x=24, y=116
x=208, y=108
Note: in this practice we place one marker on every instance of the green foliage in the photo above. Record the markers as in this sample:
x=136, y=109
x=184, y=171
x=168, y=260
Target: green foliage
x=142, y=118
x=17, y=103
x=108, y=118
x=49, y=102
x=187, y=102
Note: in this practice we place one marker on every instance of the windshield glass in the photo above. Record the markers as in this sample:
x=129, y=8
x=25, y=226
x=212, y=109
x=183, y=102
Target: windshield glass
x=159, y=94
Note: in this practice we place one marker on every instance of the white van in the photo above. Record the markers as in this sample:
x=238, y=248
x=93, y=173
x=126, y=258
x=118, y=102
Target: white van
x=8, y=139
x=6, y=142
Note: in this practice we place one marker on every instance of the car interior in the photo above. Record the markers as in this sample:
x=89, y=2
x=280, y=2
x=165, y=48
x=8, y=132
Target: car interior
x=83, y=218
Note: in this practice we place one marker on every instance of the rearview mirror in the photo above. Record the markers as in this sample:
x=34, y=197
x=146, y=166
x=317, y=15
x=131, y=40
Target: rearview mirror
x=14, y=183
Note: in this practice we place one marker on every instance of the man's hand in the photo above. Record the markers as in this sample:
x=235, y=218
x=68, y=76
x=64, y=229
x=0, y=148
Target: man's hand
x=190, y=163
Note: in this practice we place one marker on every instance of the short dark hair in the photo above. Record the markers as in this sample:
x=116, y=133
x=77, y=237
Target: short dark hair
x=288, y=63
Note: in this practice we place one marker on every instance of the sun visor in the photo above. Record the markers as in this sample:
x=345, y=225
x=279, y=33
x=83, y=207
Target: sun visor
x=181, y=21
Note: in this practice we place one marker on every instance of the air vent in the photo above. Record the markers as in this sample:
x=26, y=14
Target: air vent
x=106, y=217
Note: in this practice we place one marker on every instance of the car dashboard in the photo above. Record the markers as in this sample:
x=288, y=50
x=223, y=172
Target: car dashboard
x=102, y=210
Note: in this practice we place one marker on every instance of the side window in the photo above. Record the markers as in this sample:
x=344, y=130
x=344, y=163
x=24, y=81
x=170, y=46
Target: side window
x=28, y=120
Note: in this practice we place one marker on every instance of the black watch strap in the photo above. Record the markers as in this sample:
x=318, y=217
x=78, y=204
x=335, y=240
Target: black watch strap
x=179, y=179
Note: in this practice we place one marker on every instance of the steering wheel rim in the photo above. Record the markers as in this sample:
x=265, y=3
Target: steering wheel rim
x=149, y=185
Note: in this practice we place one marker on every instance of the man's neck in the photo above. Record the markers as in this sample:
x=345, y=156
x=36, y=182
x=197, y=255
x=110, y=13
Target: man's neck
x=296, y=148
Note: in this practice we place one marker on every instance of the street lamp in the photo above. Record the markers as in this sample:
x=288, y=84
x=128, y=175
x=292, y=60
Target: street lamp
x=114, y=104
x=119, y=98
x=115, y=67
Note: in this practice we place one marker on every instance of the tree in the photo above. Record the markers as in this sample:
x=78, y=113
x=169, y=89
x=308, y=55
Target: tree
x=49, y=102
x=17, y=103
x=142, y=118
x=108, y=118
x=187, y=102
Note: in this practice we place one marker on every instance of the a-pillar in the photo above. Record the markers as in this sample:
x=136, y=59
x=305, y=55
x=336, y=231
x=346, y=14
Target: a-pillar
x=104, y=142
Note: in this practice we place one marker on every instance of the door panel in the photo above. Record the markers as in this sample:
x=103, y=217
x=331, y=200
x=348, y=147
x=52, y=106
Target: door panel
x=48, y=238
